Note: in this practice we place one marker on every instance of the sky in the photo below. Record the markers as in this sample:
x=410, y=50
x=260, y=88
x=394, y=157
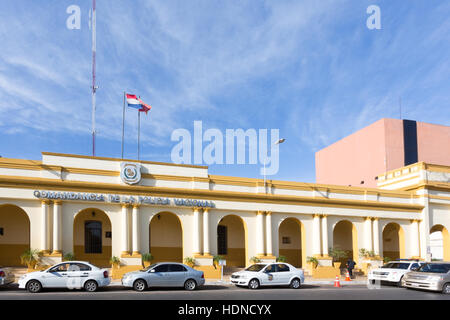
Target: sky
x=311, y=69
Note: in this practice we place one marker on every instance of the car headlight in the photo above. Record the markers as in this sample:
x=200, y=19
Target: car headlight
x=435, y=278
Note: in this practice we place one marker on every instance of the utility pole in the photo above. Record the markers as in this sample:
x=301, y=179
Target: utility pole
x=94, y=86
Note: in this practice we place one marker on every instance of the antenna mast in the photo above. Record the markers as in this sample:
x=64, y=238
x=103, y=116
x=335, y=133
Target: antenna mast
x=94, y=86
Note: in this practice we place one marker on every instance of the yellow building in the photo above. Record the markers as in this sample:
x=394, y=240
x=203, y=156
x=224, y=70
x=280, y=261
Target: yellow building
x=97, y=208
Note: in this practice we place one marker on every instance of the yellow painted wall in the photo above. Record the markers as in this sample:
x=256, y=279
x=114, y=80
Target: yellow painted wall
x=16, y=238
x=166, y=238
x=101, y=259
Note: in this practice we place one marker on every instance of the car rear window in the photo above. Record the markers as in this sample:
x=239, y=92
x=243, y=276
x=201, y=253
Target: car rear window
x=435, y=268
x=177, y=268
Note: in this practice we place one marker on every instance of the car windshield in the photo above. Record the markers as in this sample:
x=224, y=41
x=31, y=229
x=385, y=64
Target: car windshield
x=434, y=268
x=256, y=267
x=396, y=265
x=148, y=268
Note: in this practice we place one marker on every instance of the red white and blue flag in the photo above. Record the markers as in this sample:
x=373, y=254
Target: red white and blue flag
x=134, y=102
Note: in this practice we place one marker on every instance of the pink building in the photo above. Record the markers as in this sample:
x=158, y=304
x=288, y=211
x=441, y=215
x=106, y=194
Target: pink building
x=385, y=145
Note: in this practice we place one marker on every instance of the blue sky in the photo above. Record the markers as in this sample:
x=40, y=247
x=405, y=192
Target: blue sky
x=311, y=69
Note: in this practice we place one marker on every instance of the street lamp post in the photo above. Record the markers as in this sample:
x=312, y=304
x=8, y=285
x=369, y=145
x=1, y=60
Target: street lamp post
x=276, y=143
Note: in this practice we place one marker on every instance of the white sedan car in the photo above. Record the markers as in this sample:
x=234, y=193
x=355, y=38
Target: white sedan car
x=71, y=275
x=272, y=274
x=393, y=271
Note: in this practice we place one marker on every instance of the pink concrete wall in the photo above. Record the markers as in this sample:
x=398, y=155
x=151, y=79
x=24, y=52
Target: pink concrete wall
x=433, y=143
x=376, y=149
x=357, y=157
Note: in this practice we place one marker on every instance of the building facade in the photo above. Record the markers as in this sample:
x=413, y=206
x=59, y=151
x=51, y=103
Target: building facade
x=97, y=208
x=385, y=145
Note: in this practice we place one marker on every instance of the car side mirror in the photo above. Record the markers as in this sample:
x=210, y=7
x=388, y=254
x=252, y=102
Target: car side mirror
x=152, y=271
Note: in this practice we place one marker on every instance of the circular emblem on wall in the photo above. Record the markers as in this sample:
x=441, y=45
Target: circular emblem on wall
x=130, y=173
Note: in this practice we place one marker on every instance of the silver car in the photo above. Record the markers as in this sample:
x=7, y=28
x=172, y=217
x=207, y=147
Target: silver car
x=434, y=276
x=6, y=276
x=164, y=274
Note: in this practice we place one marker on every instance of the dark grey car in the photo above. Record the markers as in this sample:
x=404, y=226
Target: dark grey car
x=164, y=274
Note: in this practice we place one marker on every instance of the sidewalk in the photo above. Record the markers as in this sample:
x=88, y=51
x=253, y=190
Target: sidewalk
x=359, y=280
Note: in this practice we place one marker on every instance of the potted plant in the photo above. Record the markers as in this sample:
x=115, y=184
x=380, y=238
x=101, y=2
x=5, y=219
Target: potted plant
x=69, y=257
x=31, y=258
x=255, y=260
x=216, y=260
x=366, y=253
x=189, y=261
x=281, y=259
x=115, y=262
x=147, y=259
x=312, y=261
x=338, y=255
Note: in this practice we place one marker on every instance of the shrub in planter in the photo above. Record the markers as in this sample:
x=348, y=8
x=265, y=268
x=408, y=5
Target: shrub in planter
x=69, y=257
x=31, y=258
x=189, y=261
x=255, y=260
x=281, y=259
x=216, y=260
x=115, y=262
x=313, y=261
x=147, y=259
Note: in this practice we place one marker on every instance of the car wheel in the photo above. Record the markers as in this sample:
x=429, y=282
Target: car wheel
x=446, y=288
x=140, y=285
x=34, y=286
x=253, y=284
x=399, y=283
x=295, y=284
x=190, y=285
x=91, y=286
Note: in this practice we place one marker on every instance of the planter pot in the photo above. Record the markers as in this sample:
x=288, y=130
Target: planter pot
x=337, y=265
x=147, y=263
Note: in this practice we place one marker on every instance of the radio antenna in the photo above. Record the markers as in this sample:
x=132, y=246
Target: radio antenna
x=94, y=86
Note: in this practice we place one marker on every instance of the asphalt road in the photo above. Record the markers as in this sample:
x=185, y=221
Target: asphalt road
x=226, y=292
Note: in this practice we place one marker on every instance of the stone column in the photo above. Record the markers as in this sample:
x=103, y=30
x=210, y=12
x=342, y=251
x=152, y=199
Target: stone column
x=44, y=227
x=415, y=247
x=324, y=235
x=269, y=234
x=124, y=227
x=316, y=235
x=196, y=232
x=136, y=248
x=368, y=234
x=376, y=237
x=206, y=232
x=57, y=225
x=260, y=233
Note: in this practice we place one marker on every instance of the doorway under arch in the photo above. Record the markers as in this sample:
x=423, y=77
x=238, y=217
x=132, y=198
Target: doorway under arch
x=231, y=241
x=393, y=241
x=291, y=241
x=345, y=238
x=440, y=245
x=166, y=238
x=14, y=234
x=92, y=237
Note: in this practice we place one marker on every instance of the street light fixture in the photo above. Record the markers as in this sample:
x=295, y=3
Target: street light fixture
x=276, y=143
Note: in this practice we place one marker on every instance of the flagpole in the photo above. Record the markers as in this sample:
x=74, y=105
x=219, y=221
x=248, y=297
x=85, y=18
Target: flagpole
x=139, y=133
x=123, y=122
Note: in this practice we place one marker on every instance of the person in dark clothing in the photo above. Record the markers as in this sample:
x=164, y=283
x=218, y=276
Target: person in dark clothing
x=350, y=266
